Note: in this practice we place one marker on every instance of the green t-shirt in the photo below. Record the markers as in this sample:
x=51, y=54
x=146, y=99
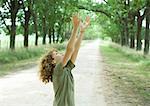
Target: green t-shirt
x=63, y=84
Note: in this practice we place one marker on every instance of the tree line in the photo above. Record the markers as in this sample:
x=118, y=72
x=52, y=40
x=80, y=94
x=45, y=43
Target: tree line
x=46, y=17
x=123, y=21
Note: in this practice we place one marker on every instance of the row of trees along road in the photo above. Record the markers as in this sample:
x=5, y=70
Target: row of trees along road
x=121, y=20
x=47, y=17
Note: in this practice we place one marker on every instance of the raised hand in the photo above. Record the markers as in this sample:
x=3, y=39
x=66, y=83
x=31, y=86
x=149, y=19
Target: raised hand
x=84, y=25
x=76, y=21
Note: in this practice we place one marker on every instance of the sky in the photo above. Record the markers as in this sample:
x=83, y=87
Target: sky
x=99, y=1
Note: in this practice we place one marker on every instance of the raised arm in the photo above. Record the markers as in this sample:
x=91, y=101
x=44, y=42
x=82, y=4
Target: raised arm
x=71, y=42
x=79, y=39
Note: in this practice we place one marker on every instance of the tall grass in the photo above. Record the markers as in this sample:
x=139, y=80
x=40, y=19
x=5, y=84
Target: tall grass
x=5, y=40
x=131, y=53
x=135, y=56
x=129, y=72
x=8, y=56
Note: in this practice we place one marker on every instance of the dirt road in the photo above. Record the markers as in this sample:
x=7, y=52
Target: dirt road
x=24, y=89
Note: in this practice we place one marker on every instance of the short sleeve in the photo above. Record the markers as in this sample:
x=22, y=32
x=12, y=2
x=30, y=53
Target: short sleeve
x=70, y=65
x=58, y=68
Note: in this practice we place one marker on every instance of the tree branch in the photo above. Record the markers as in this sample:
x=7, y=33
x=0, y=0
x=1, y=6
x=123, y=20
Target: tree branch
x=146, y=12
x=105, y=1
x=95, y=10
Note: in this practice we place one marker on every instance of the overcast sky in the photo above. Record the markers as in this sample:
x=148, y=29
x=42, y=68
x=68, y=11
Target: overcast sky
x=99, y=1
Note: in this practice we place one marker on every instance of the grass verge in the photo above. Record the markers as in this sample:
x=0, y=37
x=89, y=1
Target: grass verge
x=129, y=74
x=23, y=58
x=12, y=61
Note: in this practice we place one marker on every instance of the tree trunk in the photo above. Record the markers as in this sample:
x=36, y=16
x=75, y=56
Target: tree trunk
x=139, y=28
x=35, y=27
x=14, y=6
x=44, y=30
x=49, y=35
x=63, y=31
x=132, y=41
x=127, y=32
x=147, y=33
x=57, y=37
x=13, y=30
x=26, y=27
x=132, y=36
x=53, y=34
x=58, y=33
x=122, y=37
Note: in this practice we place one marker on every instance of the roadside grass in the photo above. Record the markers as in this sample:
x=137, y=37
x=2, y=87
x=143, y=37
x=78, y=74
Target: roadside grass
x=129, y=72
x=5, y=41
x=22, y=57
x=12, y=61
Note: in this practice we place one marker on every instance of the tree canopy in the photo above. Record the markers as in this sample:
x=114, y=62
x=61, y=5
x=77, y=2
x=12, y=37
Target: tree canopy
x=121, y=20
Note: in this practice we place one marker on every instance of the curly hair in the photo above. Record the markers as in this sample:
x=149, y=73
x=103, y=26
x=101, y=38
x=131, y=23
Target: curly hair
x=47, y=65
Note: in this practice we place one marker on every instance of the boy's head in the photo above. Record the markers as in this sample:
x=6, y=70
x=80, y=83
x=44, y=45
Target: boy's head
x=47, y=65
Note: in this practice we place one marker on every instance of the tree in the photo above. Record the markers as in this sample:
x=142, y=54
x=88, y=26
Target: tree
x=27, y=14
x=12, y=6
x=147, y=32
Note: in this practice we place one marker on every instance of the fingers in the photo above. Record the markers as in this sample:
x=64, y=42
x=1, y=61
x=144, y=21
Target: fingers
x=78, y=22
x=76, y=16
x=87, y=19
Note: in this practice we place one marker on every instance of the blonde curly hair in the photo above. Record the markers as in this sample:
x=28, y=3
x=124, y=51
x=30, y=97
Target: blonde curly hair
x=46, y=67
